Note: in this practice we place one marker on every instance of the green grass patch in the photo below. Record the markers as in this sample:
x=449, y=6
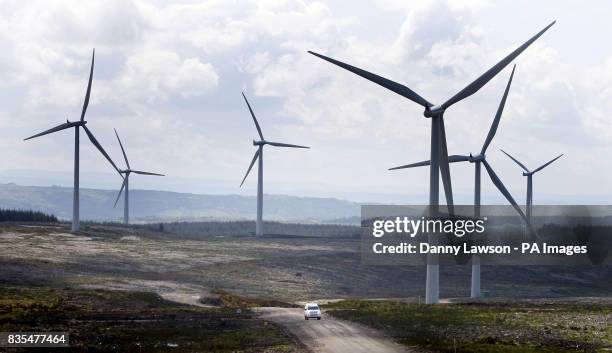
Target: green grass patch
x=486, y=327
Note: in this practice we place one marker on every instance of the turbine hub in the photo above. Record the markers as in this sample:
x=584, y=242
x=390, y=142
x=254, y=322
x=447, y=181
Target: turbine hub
x=476, y=158
x=434, y=111
x=259, y=143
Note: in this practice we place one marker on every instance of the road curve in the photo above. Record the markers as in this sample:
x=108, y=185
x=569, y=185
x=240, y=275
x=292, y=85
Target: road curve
x=330, y=334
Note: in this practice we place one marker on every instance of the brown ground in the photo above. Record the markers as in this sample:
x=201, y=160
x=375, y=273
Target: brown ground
x=288, y=269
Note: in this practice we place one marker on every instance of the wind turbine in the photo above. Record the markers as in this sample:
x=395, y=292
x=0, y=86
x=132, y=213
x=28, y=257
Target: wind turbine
x=529, y=174
x=126, y=183
x=477, y=160
x=76, y=125
x=259, y=154
x=438, y=150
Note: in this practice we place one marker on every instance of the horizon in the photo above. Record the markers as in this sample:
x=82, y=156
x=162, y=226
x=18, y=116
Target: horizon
x=200, y=186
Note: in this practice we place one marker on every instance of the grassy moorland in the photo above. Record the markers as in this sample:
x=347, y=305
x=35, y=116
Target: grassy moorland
x=117, y=288
x=112, y=321
x=511, y=326
x=287, y=267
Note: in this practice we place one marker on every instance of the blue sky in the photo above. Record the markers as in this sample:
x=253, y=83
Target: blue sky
x=169, y=75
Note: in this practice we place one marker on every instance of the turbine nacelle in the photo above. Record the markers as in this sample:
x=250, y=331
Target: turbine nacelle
x=259, y=143
x=433, y=111
x=70, y=124
x=477, y=158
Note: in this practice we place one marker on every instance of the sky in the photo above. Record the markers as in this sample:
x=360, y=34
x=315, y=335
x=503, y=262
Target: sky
x=168, y=77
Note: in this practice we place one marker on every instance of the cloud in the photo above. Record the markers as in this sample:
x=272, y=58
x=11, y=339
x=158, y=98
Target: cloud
x=217, y=26
x=159, y=74
x=169, y=76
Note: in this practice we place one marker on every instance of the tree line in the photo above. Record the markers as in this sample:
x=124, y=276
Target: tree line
x=14, y=215
x=247, y=228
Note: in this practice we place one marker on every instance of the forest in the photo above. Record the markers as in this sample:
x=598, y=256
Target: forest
x=16, y=215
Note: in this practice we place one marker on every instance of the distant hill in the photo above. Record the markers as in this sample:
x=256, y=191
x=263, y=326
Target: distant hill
x=152, y=205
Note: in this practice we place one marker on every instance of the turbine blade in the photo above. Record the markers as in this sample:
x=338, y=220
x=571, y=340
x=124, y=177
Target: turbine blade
x=498, y=115
x=146, y=173
x=451, y=159
x=413, y=165
x=100, y=148
x=445, y=168
x=547, y=164
x=52, y=130
x=279, y=144
x=388, y=84
x=86, y=102
x=250, y=167
x=122, y=150
x=253, y=115
x=500, y=186
x=487, y=76
x=457, y=158
x=516, y=161
x=120, y=190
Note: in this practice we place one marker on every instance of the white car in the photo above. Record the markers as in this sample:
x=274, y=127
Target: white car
x=311, y=311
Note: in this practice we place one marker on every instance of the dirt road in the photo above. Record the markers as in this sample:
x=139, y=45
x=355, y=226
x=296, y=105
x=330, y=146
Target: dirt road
x=330, y=334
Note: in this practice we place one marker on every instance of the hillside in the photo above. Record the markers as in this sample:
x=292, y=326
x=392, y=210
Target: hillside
x=152, y=205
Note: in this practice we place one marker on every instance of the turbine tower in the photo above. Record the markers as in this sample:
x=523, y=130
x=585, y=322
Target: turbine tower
x=529, y=174
x=477, y=161
x=259, y=155
x=126, y=183
x=76, y=125
x=438, y=149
